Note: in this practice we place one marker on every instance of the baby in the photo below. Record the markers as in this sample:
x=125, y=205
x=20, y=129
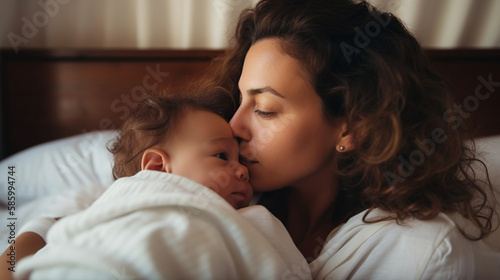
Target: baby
x=171, y=212
x=184, y=137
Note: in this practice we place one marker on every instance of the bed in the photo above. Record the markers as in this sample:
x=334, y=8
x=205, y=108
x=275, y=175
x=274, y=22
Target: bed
x=60, y=109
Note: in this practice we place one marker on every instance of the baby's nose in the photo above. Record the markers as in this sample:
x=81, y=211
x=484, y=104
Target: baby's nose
x=241, y=172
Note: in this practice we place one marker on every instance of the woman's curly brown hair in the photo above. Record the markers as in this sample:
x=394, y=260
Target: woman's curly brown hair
x=153, y=121
x=410, y=157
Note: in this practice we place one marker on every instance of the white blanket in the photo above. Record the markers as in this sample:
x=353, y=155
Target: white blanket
x=161, y=226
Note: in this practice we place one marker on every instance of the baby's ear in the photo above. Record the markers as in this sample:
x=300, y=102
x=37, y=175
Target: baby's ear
x=156, y=159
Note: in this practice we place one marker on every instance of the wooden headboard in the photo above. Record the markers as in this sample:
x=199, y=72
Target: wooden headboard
x=50, y=94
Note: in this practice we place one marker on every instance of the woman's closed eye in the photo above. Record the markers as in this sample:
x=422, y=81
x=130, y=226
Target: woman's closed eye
x=264, y=114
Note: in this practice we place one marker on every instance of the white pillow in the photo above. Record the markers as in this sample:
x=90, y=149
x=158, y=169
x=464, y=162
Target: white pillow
x=489, y=147
x=54, y=167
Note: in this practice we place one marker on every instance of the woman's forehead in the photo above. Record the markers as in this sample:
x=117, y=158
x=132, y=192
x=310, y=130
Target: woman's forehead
x=268, y=66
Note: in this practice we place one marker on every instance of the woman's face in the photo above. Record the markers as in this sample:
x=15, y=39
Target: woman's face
x=285, y=140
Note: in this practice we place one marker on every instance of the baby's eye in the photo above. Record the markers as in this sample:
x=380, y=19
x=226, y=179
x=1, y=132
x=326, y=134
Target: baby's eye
x=222, y=156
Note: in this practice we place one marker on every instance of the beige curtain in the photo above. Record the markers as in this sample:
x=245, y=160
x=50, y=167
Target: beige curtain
x=118, y=23
x=206, y=24
x=449, y=23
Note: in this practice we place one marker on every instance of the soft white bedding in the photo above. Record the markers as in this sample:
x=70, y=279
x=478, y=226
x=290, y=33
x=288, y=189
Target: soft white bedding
x=55, y=179
x=156, y=225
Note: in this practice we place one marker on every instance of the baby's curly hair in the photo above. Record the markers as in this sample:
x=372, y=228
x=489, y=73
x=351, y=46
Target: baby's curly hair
x=153, y=121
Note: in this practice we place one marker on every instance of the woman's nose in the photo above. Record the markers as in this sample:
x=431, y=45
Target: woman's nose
x=240, y=126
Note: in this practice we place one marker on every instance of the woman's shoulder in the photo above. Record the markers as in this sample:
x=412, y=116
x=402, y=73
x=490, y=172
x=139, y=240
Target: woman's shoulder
x=391, y=249
x=436, y=229
x=364, y=226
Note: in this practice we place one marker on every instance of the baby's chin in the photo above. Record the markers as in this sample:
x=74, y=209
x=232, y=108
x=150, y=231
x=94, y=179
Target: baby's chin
x=239, y=204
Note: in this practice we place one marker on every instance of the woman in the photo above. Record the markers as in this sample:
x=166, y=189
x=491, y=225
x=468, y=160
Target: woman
x=341, y=121
x=353, y=141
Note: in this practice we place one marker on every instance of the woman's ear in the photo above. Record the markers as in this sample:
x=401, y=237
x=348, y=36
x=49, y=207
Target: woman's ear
x=156, y=159
x=345, y=141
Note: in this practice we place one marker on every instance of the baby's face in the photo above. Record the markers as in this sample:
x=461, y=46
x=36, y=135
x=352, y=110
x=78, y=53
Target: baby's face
x=205, y=150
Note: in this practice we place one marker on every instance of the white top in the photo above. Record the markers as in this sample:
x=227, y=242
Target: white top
x=433, y=249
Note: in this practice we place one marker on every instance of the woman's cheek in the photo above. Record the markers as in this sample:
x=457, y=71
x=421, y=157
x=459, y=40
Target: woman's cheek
x=268, y=131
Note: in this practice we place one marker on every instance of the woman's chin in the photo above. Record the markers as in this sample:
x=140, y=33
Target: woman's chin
x=263, y=186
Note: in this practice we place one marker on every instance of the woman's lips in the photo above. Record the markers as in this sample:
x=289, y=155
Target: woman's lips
x=247, y=153
x=245, y=160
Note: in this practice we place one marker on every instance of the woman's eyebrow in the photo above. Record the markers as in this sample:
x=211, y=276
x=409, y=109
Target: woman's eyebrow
x=255, y=91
